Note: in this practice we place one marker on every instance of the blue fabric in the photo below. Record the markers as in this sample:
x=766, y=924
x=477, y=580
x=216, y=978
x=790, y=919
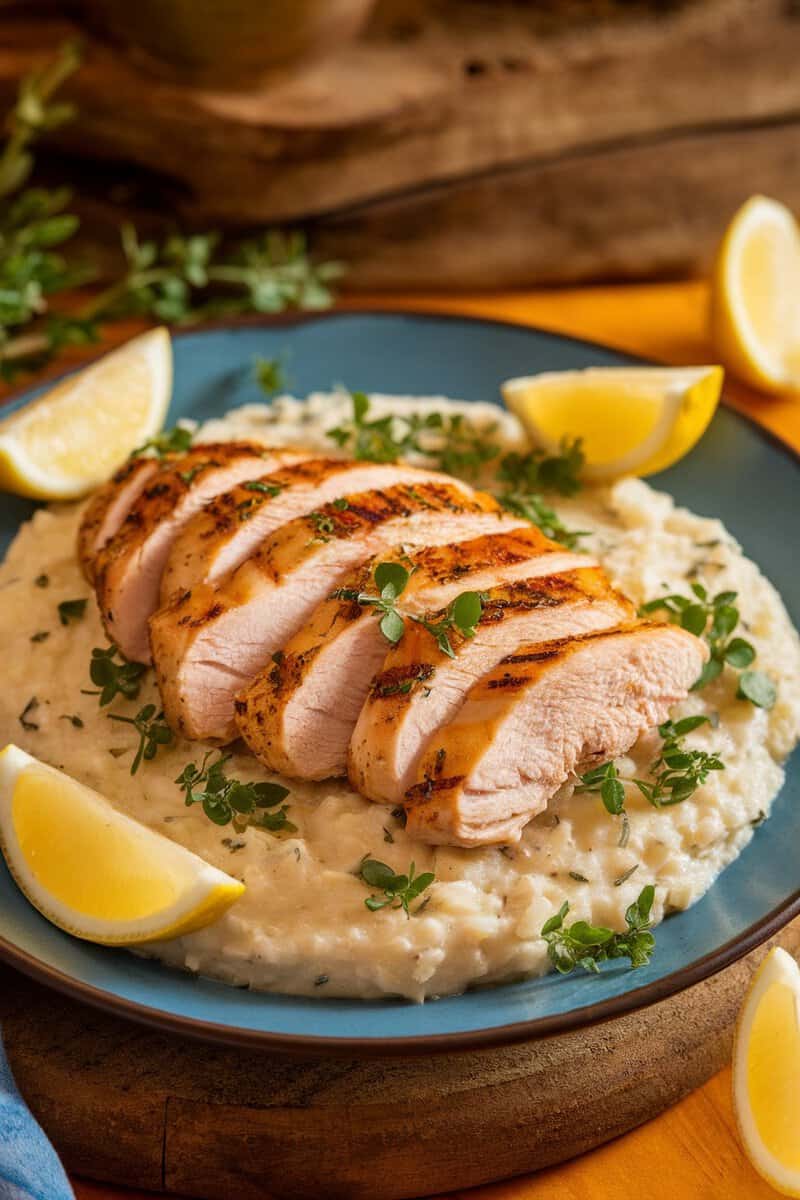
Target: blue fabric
x=29, y=1166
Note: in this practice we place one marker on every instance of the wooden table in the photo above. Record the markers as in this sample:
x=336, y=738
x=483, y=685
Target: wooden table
x=691, y=1152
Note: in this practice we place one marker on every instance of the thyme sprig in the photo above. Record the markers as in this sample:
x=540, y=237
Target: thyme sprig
x=71, y=610
x=153, y=732
x=181, y=278
x=399, y=891
x=170, y=441
x=227, y=801
x=584, y=945
x=715, y=618
x=462, y=614
x=123, y=678
x=605, y=780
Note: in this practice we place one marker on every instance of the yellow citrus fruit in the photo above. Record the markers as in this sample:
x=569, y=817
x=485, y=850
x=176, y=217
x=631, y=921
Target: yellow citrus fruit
x=632, y=420
x=766, y=1072
x=93, y=871
x=755, y=297
x=69, y=440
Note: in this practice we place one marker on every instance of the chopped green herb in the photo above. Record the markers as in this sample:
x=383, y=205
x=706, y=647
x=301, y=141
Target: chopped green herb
x=41, y=636
x=270, y=375
x=321, y=980
x=71, y=610
x=585, y=945
x=225, y=801
x=268, y=489
x=398, y=890
x=169, y=441
x=30, y=707
x=625, y=876
x=388, y=836
x=153, y=732
x=42, y=581
x=73, y=718
x=121, y=678
x=576, y=875
x=233, y=844
x=678, y=772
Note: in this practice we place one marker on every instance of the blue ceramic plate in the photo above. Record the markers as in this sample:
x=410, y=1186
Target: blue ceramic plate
x=736, y=473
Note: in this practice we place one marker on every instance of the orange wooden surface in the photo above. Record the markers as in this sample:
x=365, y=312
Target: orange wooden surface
x=690, y=1152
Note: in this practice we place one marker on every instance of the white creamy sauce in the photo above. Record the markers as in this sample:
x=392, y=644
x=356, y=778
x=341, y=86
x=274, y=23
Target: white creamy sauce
x=302, y=925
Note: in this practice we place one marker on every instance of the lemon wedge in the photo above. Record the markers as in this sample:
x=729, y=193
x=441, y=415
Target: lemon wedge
x=93, y=871
x=766, y=1072
x=632, y=420
x=69, y=440
x=755, y=296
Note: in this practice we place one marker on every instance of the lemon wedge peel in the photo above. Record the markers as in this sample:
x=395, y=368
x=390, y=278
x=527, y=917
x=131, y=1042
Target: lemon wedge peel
x=754, y=308
x=71, y=438
x=766, y=1072
x=632, y=420
x=95, y=872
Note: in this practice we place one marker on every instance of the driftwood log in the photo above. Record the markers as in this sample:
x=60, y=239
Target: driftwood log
x=471, y=143
x=128, y=1105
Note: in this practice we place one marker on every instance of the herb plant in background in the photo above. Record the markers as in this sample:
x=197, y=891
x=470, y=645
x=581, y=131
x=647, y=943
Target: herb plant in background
x=181, y=278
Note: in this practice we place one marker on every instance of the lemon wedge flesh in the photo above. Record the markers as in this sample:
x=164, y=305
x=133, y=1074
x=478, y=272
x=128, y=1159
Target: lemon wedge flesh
x=632, y=420
x=93, y=871
x=766, y=1072
x=755, y=296
x=69, y=440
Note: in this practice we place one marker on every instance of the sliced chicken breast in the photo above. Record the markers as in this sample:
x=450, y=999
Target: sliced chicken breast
x=298, y=715
x=109, y=506
x=542, y=712
x=231, y=526
x=210, y=643
x=420, y=688
x=128, y=568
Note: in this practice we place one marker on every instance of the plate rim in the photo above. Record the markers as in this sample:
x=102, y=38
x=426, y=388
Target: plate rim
x=507, y=1034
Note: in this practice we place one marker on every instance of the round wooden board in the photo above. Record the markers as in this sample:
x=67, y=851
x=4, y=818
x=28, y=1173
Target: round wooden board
x=127, y=1105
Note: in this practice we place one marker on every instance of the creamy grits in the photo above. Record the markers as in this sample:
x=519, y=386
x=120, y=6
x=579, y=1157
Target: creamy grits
x=302, y=926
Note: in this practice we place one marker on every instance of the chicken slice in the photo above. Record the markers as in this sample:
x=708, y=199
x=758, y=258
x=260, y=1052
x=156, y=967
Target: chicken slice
x=109, y=506
x=211, y=642
x=128, y=568
x=539, y=714
x=298, y=715
x=420, y=688
x=231, y=526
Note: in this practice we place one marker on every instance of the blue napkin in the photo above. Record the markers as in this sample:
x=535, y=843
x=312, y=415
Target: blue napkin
x=29, y=1166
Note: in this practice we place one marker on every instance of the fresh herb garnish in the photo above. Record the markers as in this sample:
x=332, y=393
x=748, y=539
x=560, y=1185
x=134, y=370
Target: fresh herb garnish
x=523, y=477
x=398, y=890
x=180, y=279
x=30, y=707
x=678, y=772
x=576, y=875
x=153, y=732
x=268, y=489
x=227, y=800
x=270, y=375
x=41, y=636
x=585, y=945
x=462, y=614
x=715, y=618
x=75, y=721
x=121, y=678
x=71, y=610
x=605, y=780
x=169, y=441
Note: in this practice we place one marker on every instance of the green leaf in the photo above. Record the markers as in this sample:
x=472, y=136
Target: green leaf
x=758, y=688
x=612, y=794
x=556, y=921
x=694, y=619
x=739, y=653
x=710, y=671
x=466, y=612
x=391, y=574
x=392, y=626
x=377, y=874
x=71, y=610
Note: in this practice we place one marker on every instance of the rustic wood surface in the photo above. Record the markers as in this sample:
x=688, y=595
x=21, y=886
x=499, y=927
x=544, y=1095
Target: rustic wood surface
x=462, y=144
x=691, y=1151
x=214, y=1122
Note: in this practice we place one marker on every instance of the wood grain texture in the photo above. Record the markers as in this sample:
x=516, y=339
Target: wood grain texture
x=462, y=143
x=214, y=1122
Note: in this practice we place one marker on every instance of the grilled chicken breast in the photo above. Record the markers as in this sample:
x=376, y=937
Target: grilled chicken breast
x=298, y=715
x=109, y=506
x=211, y=642
x=231, y=526
x=128, y=569
x=420, y=688
x=539, y=714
